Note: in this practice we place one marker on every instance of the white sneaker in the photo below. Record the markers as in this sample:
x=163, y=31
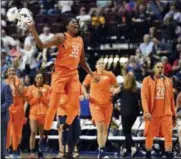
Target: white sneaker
x=133, y=151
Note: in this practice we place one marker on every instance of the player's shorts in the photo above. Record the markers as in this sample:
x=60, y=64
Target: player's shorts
x=39, y=118
x=64, y=80
x=101, y=113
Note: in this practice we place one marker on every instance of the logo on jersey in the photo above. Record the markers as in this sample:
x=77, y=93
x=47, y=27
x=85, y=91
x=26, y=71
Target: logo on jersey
x=75, y=51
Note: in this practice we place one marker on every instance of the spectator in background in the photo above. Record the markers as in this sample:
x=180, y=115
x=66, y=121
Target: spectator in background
x=7, y=40
x=45, y=36
x=65, y=6
x=3, y=23
x=54, y=11
x=28, y=41
x=175, y=12
x=5, y=62
x=97, y=25
x=155, y=9
x=177, y=65
x=84, y=19
x=6, y=101
x=134, y=66
x=177, y=72
x=140, y=14
x=160, y=48
x=169, y=29
x=47, y=4
x=15, y=51
x=129, y=5
x=167, y=66
x=3, y=12
x=152, y=32
x=27, y=62
x=129, y=96
x=147, y=46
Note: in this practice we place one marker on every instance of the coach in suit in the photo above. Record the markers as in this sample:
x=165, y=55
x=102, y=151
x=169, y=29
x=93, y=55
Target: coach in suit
x=6, y=101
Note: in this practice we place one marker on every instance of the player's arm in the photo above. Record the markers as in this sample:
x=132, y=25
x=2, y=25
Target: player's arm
x=54, y=41
x=86, y=67
x=144, y=99
x=85, y=86
x=84, y=64
x=115, y=88
x=19, y=89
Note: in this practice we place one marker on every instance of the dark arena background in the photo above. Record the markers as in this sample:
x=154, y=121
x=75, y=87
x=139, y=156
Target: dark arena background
x=129, y=35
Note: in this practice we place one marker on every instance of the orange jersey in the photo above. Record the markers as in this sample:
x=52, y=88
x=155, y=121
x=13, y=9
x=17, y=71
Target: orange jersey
x=158, y=109
x=69, y=53
x=148, y=94
x=17, y=100
x=100, y=92
x=38, y=105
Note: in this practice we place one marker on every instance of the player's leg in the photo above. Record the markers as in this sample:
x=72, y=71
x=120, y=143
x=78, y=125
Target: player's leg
x=63, y=147
x=166, y=129
x=53, y=106
x=99, y=118
x=153, y=128
x=108, y=110
x=73, y=92
x=33, y=127
x=74, y=133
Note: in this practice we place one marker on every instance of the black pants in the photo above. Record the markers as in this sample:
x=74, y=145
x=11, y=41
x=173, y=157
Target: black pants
x=127, y=123
x=4, y=125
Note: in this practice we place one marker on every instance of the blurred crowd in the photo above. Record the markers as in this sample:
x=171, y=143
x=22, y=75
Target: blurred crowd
x=152, y=26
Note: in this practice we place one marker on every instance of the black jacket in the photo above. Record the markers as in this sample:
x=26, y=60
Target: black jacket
x=129, y=102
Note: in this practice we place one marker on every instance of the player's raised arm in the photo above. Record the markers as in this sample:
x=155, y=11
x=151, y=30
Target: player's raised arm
x=55, y=40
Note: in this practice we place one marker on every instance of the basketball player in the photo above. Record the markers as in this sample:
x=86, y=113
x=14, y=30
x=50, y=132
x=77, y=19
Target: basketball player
x=178, y=104
x=70, y=54
x=101, y=101
x=159, y=109
x=38, y=99
x=16, y=111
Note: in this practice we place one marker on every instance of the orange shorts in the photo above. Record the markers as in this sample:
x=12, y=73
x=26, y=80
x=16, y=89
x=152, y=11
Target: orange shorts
x=101, y=113
x=63, y=80
x=160, y=127
x=39, y=118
